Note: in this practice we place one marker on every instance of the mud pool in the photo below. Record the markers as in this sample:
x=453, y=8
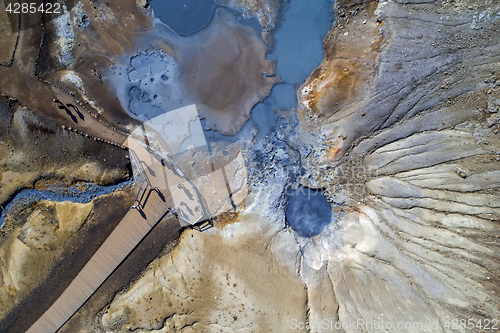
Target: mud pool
x=308, y=211
x=152, y=83
x=297, y=50
x=187, y=17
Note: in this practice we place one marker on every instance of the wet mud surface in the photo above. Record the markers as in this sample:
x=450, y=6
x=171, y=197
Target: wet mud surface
x=308, y=212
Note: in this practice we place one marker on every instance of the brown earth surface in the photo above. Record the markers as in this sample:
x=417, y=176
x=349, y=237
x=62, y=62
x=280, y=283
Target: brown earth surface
x=51, y=249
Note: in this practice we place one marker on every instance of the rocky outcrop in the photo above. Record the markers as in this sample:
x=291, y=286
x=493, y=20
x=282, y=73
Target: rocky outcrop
x=408, y=58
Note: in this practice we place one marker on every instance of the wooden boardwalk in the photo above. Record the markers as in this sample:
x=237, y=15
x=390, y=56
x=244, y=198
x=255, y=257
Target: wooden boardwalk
x=165, y=190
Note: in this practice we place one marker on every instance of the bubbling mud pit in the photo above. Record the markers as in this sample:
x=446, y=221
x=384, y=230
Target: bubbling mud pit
x=220, y=69
x=308, y=212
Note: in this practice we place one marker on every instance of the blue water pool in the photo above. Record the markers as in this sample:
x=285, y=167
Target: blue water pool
x=184, y=16
x=308, y=211
x=297, y=50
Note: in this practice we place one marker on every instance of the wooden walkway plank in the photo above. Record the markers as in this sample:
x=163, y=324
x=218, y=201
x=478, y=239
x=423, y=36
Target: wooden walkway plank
x=167, y=189
x=127, y=234
x=114, y=250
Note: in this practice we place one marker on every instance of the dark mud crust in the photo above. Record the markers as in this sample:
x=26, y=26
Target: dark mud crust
x=78, y=250
x=44, y=65
x=90, y=67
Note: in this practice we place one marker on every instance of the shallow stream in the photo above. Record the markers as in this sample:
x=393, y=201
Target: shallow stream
x=81, y=193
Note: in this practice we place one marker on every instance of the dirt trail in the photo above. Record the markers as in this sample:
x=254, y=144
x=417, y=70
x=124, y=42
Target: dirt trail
x=19, y=82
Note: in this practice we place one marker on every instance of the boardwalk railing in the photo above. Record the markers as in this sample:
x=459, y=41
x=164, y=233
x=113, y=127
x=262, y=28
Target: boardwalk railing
x=128, y=233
